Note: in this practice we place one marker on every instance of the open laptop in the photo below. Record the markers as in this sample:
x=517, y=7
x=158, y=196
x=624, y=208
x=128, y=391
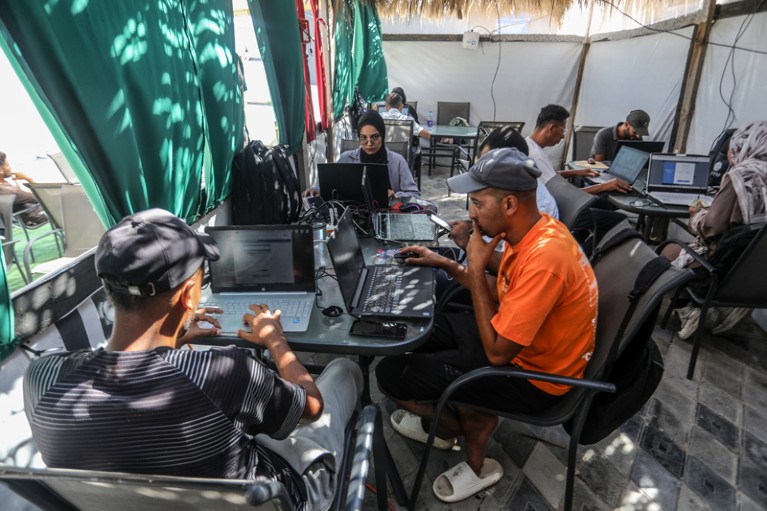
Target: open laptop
x=383, y=291
x=397, y=226
x=627, y=165
x=648, y=146
x=341, y=182
x=678, y=179
x=271, y=264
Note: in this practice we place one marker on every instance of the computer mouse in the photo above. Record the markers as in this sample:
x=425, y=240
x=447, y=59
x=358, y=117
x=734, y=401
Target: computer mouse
x=333, y=311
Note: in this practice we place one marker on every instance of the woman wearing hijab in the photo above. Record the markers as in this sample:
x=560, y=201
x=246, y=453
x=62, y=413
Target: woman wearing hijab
x=371, y=131
x=741, y=200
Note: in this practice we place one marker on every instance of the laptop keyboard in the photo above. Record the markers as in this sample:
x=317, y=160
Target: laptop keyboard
x=405, y=228
x=681, y=199
x=383, y=290
x=234, y=305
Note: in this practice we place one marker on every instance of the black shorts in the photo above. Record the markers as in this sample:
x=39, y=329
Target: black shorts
x=453, y=349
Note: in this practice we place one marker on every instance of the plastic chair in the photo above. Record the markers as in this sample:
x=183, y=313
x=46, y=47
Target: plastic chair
x=447, y=110
x=583, y=137
x=484, y=129
x=9, y=250
x=618, y=322
x=571, y=201
x=743, y=284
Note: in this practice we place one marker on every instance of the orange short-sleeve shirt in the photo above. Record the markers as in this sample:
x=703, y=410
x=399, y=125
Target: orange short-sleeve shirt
x=548, y=303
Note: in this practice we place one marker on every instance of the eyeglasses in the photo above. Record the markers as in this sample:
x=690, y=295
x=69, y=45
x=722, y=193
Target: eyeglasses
x=372, y=138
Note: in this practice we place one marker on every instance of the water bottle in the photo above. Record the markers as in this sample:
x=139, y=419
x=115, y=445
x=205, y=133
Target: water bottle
x=430, y=119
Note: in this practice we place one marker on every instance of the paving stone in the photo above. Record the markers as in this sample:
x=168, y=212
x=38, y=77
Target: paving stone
x=705, y=447
x=672, y=421
x=620, y=449
x=655, y=481
x=675, y=362
x=724, y=430
x=691, y=501
x=755, y=423
x=721, y=377
x=755, y=391
x=634, y=498
x=516, y=439
x=755, y=450
x=661, y=447
x=713, y=489
x=599, y=474
x=748, y=504
x=752, y=482
x=546, y=473
x=721, y=403
x=528, y=498
x=586, y=500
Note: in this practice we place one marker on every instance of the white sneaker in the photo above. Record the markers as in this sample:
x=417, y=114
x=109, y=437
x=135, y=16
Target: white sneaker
x=689, y=324
x=730, y=317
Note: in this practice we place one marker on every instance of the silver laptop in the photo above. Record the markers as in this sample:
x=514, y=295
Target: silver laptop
x=627, y=165
x=678, y=179
x=378, y=290
x=271, y=264
x=397, y=226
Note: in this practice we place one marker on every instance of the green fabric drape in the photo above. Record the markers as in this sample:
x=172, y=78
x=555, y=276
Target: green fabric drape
x=279, y=40
x=145, y=93
x=8, y=340
x=359, y=57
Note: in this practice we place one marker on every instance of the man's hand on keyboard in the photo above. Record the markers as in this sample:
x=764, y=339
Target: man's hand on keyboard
x=264, y=325
x=201, y=325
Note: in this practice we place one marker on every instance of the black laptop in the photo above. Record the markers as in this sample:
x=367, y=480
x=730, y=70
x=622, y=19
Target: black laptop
x=627, y=165
x=341, y=182
x=383, y=291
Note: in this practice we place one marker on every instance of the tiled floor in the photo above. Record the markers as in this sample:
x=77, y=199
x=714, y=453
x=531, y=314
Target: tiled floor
x=697, y=444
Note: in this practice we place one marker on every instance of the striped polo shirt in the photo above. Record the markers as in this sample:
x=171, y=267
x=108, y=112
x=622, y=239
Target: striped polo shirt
x=163, y=412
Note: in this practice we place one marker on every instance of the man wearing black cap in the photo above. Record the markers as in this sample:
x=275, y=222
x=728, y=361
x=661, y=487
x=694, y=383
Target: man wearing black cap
x=633, y=128
x=538, y=314
x=142, y=405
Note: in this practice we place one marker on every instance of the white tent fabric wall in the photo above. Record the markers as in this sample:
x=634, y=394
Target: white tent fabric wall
x=748, y=101
x=531, y=74
x=643, y=72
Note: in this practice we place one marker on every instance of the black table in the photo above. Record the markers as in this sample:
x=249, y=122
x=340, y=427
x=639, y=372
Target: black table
x=645, y=207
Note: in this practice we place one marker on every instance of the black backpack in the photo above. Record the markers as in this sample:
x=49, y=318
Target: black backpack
x=719, y=161
x=265, y=187
x=637, y=371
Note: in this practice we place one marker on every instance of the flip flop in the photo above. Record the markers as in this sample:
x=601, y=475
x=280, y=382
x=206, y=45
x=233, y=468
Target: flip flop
x=460, y=482
x=409, y=425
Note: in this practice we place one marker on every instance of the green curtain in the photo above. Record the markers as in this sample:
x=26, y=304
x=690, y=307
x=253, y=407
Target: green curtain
x=145, y=94
x=279, y=40
x=359, y=57
x=8, y=339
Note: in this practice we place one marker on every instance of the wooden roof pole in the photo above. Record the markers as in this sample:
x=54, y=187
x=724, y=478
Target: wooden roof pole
x=693, y=71
x=578, y=81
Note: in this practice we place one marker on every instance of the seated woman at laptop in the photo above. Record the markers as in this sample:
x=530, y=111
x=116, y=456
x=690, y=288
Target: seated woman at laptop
x=371, y=131
x=741, y=200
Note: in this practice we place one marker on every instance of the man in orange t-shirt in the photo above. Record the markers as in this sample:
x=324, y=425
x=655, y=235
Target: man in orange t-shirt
x=538, y=314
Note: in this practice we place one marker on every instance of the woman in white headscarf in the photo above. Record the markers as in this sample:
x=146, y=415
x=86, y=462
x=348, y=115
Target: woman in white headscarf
x=742, y=200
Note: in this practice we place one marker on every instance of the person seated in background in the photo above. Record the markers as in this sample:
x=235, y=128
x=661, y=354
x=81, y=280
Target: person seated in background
x=538, y=314
x=371, y=131
x=32, y=213
x=410, y=108
x=741, y=200
x=143, y=405
x=394, y=111
x=549, y=131
x=605, y=140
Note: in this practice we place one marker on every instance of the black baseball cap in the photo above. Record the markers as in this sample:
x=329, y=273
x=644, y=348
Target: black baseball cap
x=640, y=120
x=153, y=251
x=507, y=168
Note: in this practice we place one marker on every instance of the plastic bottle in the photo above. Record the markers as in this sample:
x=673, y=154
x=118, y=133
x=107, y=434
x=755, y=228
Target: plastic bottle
x=430, y=119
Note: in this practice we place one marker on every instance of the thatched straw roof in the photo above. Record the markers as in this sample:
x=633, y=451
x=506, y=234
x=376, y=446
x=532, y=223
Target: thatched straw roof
x=439, y=9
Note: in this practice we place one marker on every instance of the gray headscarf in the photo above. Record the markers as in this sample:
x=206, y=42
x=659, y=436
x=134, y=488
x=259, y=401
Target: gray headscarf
x=749, y=171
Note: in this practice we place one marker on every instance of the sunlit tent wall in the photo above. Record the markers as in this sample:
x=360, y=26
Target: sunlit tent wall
x=600, y=70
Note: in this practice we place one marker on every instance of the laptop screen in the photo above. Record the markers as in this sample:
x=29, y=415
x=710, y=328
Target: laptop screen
x=678, y=173
x=346, y=254
x=263, y=258
x=628, y=164
x=341, y=181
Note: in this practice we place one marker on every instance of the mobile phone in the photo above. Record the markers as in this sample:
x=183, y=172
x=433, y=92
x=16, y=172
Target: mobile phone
x=370, y=328
x=316, y=203
x=441, y=222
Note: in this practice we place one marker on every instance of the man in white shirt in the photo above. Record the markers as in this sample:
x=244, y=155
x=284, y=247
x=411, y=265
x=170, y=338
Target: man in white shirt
x=549, y=131
x=394, y=111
